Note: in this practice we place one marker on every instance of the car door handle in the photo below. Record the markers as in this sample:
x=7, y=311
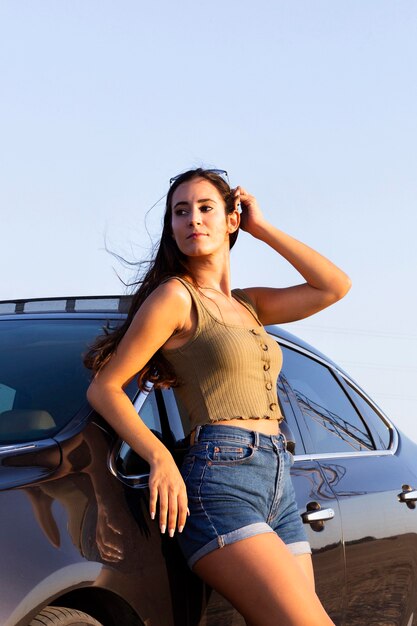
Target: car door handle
x=316, y=516
x=408, y=495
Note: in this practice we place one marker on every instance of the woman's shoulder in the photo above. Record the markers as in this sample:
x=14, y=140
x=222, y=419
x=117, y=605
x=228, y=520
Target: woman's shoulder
x=168, y=305
x=172, y=290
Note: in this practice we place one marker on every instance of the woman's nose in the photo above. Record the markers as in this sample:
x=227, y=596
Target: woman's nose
x=195, y=217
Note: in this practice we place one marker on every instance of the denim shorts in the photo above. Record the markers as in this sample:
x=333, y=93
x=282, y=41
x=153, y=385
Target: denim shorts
x=238, y=485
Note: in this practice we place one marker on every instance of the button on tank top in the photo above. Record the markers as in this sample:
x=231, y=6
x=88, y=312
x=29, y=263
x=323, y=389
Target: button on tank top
x=226, y=371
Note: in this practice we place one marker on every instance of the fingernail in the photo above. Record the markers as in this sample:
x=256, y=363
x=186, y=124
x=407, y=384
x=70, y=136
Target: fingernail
x=163, y=528
x=171, y=532
x=180, y=529
x=152, y=514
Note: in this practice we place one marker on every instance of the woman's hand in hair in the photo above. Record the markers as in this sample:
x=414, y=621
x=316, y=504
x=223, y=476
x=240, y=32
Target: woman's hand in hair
x=251, y=216
x=167, y=489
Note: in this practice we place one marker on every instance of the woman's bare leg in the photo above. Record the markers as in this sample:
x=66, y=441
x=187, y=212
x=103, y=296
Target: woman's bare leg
x=264, y=582
x=306, y=565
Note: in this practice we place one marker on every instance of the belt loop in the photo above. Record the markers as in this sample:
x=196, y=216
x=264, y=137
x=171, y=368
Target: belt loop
x=197, y=433
x=256, y=439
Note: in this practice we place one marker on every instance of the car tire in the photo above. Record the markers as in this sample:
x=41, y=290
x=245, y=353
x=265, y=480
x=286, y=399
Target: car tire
x=60, y=616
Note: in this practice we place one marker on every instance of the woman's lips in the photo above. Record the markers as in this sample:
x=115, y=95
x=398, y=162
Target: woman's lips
x=196, y=235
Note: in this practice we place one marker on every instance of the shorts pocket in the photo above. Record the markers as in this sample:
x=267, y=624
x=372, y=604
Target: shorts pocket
x=229, y=453
x=186, y=467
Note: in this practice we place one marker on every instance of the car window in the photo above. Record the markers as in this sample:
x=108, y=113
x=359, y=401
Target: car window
x=128, y=462
x=149, y=413
x=332, y=422
x=43, y=381
x=289, y=425
x=381, y=430
x=7, y=396
x=179, y=423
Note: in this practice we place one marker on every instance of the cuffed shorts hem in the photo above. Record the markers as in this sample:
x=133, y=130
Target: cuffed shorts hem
x=235, y=535
x=299, y=547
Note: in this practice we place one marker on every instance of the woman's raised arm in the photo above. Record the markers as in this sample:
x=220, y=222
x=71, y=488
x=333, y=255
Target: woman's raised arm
x=325, y=282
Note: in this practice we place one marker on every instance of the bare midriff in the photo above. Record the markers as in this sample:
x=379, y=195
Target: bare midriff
x=265, y=426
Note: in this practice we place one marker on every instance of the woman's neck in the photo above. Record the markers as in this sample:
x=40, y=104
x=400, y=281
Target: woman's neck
x=206, y=273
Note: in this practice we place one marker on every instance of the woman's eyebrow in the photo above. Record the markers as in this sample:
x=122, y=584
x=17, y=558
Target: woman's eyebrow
x=198, y=202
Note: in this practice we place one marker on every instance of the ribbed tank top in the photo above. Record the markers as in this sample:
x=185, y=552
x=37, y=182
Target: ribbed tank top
x=225, y=371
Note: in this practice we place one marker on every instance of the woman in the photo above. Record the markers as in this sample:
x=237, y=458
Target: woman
x=187, y=329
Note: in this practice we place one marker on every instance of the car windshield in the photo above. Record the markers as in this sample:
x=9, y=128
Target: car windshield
x=42, y=378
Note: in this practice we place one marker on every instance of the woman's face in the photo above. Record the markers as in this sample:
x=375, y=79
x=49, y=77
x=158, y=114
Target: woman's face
x=199, y=222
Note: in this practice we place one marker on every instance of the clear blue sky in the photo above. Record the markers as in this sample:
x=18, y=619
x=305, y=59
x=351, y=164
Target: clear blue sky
x=312, y=106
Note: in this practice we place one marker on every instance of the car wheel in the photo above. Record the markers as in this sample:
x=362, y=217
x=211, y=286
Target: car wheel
x=60, y=616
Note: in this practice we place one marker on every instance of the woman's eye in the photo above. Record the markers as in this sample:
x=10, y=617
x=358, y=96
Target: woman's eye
x=205, y=208
x=180, y=212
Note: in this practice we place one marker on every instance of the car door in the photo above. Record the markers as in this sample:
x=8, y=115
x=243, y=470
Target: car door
x=319, y=510
x=361, y=460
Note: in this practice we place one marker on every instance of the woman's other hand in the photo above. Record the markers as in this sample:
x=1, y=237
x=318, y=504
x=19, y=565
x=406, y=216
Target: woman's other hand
x=167, y=488
x=251, y=216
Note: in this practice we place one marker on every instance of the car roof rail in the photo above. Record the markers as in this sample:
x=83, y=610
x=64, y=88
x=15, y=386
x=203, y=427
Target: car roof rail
x=73, y=304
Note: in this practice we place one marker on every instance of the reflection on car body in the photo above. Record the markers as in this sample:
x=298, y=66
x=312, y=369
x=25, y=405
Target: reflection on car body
x=75, y=528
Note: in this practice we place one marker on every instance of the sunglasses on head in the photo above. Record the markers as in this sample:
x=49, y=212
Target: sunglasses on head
x=222, y=173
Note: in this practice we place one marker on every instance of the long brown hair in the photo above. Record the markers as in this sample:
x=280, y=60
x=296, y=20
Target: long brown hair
x=167, y=261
